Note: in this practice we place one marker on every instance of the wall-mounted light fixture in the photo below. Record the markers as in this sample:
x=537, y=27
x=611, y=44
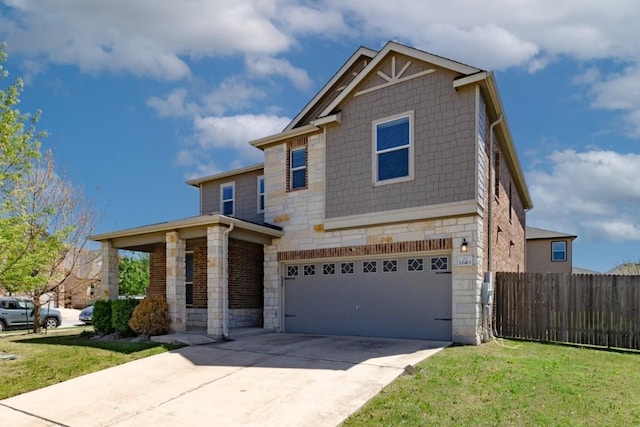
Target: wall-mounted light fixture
x=464, y=247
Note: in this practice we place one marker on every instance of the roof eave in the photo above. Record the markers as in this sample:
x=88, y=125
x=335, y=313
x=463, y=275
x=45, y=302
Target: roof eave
x=197, y=181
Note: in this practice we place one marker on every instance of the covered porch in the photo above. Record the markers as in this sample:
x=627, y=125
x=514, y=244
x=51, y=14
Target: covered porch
x=209, y=269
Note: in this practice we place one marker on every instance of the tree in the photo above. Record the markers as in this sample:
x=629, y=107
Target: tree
x=133, y=277
x=19, y=148
x=56, y=219
x=44, y=219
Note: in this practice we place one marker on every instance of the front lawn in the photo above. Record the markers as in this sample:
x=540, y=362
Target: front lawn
x=60, y=355
x=512, y=383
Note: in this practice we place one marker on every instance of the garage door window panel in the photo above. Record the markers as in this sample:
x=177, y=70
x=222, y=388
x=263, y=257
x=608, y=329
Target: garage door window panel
x=369, y=266
x=389, y=266
x=346, y=268
x=328, y=269
x=292, y=271
x=415, y=264
x=309, y=270
x=440, y=263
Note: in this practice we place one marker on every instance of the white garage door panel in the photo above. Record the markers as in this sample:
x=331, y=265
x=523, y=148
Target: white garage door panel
x=402, y=303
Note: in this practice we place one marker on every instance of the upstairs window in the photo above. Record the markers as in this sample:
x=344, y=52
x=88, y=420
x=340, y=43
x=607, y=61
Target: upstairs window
x=261, y=194
x=559, y=251
x=298, y=168
x=227, y=193
x=393, y=149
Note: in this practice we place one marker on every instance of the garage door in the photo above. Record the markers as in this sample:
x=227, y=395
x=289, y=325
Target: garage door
x=396, y=297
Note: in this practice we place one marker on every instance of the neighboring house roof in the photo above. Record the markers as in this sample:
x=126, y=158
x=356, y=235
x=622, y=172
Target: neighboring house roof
x=533, y=233
x=197, y=181
x=627, y=268
x=468, y=75
x=578, y=270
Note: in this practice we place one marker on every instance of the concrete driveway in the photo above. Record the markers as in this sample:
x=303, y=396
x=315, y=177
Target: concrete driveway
x=265, y=380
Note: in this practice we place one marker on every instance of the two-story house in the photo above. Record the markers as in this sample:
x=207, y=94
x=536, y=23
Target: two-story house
x=378, y=211
x=549, y=251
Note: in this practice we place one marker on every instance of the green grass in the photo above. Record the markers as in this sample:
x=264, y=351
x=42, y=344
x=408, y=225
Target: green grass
x=509, y=383
x=60, y=355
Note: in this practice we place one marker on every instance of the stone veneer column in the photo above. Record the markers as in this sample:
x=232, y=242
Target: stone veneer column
x=176, y=289
x=467, y=282
x=109, y=274
x=272, y=290
x=215, y=285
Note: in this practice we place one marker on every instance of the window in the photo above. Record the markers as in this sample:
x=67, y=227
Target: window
x=440, y=263
x=298, y=168
x=188, y=277
x=309, y=270
x=328, y=269
x=369, y=266
x=227, y=192
x=389, y=266
x=292, y=271
x=415, y=264
x=261, y=194
x=346, y=268
x=558, y=251
x=393, y=149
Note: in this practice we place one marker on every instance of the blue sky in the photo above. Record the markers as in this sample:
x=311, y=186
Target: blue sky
x=140, y=95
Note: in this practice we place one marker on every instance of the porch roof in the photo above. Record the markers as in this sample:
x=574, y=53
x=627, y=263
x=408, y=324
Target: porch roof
x=144, y=237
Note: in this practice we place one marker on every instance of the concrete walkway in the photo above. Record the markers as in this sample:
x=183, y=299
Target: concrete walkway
x=263, y=380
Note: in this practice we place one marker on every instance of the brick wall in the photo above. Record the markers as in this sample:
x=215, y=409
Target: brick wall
x=508, y=219
x=246, y=274
x=158, y=271
x=199, y=249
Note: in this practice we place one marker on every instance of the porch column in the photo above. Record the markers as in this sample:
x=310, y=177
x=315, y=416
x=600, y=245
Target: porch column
x=215, y=275
x=176, y=289
x=272, y=290
x=109, y=273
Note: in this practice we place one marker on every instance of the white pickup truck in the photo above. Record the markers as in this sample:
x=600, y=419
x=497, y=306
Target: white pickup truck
x=18, y=313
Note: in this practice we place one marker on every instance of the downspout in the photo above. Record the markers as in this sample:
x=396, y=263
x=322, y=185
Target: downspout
x=225, y=282
x=487, y=286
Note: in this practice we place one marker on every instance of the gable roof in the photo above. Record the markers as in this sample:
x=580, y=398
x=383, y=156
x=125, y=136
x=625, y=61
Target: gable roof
x=362, y=52
x=468, y=75
x=404, y=50
x=533, y=233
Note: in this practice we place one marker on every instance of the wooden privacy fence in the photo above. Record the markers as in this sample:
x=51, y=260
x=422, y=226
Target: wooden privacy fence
x=592, y=309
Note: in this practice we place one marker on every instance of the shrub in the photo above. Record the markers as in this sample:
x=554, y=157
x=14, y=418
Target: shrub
x=121, y=311
x=101, y=318
x=151, y=317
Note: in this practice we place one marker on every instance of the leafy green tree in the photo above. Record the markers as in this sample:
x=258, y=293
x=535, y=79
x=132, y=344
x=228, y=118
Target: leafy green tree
x=19, y=148
x=134, y=274
x=44, y=220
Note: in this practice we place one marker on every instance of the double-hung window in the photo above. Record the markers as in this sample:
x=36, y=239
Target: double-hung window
x=393, y=149
x=261, y=194
x=558, y=251
x=227, y=194
x=298, y=165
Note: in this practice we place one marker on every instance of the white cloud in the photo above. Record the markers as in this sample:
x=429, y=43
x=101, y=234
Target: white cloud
x=594, y=193
x=231, y=94
x=173, y=104
x=217, y=135
x=143, y=37
x=267, y=66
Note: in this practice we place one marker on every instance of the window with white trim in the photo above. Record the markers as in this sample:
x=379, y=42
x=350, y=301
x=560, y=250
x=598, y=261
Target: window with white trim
x=393, y=149
x=298, y=165
x=559, y=251
x=188, y=277
x=227, y=193
x=261, y=194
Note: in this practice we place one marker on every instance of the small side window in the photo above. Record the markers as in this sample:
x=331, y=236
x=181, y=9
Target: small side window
x=227, y=195
x=558, y=251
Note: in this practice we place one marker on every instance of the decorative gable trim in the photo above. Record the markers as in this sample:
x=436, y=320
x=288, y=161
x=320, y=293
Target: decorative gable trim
x=362, y=51
x=402, y=50
x=395, y=77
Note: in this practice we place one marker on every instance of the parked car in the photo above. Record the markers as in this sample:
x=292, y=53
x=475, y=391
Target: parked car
x=86, y=314
x=19, y=313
